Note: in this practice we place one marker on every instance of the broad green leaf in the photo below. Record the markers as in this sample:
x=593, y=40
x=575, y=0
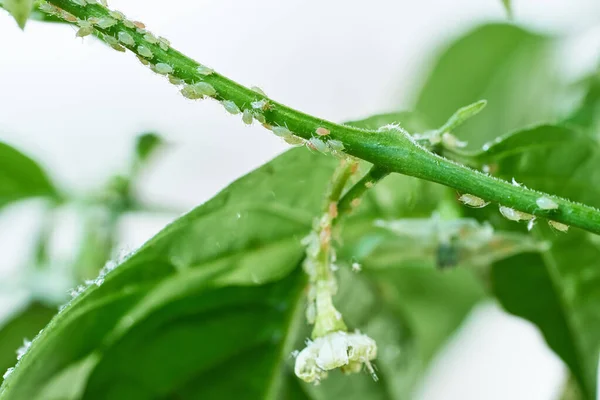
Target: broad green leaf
x=506, y=65
x=556, y=290
x=21, y=177
x=19, y=9
x=22, y=326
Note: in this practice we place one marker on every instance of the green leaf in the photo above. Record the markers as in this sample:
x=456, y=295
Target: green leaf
x=557, y=289
x=504, y=64
x=146, y=146
x=21, y=177
x=24, y=325
x=19, y=9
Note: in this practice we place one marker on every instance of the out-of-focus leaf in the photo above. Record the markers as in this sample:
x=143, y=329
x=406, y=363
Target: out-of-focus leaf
x=21, y=177
x=24, y=325
x=146, y=145
x=587, y=115
x=504, y=64
x=508, y=7
x=19, y=9
x=557, y=289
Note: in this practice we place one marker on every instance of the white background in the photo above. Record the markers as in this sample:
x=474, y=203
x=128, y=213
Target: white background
x=76, y=106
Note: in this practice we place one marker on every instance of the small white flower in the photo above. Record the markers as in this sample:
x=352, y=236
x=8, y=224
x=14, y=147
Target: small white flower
x=347, y=351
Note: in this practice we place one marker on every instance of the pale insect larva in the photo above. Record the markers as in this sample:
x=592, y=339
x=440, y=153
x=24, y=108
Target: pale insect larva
x=204, y=70
x=530, y=224
x=81, y=3
x=258, y=90
x=126, y=39
x=93, y=20
x=205, y=89
x=514, y=215
x=91, y=1
x=150, y=38
x=247, y=117
x=322, y=131
x=139, y=25
x=356, y=202
x=174, y=80
x=119, y=16
x=260, y=104
x=558, y=226
x=106, y=23
x=128, y=24
x=189, y=92
x=473, y=201
x=259, y=117
x=318, y=144
x=164, y=43
x=68, y=16
x=48, y=8
x=294, y=140
x=85, y=29
x=369, y=184
x=110, y=40
x=230, y=107
x=546, y=203
x=356, y=267
x=140, y=31
x=335, y=145
x=281, y=131
x=143, y=60
x=163, y=69
x=144, y=52
x=451, y=141
x=104, y=3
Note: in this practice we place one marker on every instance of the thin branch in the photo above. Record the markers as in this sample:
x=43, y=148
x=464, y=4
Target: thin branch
x=391, y=148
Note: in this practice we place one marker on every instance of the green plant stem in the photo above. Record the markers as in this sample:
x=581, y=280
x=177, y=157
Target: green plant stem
x=391, y=149
x=375, y=174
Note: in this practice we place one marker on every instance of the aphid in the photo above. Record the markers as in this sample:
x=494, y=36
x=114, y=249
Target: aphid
x=259, y=117
x=546, y=203
x=205, y=89
x=558, y=226
x=514, y=215
x=356, y=267
x=294, y=140
x=84, y=31
x=530, y=224
x=451, y=141
x=260, y=104
x=473, y=201
x=8, y=372
x=174, y=80
x=110, y=40
x=204, y=70
x=164, y=43
x=318, y=145
x=106, y=23
x=128, y=24
x=356, y=202
x=93, y=20
x=143, y=60
x=139, y=25
x=258, y=90
x=281, y=131
x=163, y=68
x=68, y=16
x=91, y=1
x=104, y=3
x=126, y=39
x=247, y=117
x=369, y=184
x=230, y=107
x=81, y=3
x=515, y=183
x=119, y=16
x=188, y=91
x=48, y=8
x=150, y=38
x=322, y=131
x=141, y=31
x=335, y=145
x=144, y=52
x=118, y=47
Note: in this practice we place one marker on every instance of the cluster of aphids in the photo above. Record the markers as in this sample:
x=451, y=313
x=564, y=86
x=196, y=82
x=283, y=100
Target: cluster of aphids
x=543, y=203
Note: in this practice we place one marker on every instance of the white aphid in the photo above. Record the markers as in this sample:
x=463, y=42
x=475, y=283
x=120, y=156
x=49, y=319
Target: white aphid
x=150, y=38
x=126, y=38
x=530, y=224
x=369, y=184
x=119, y=16
x=129, y=24
x=356, y=267
x=204, y=70
x=546, y=203
x=174, y=80
x=145, y=52
x=8, y=372
x=335, y=145
x=259, y=117
x=558, y=226
x=514, y=215
x=230, y=107
x=473, y=201
x=106, y=23
x=260, y=104
x=318, y=145
x=322, y=131
x=23, y=349
x=84, y=31
x=258, y=90
x=452, y=142
x=163, y=68
x=164, y=43
x=281, y=131
x=247, y=117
